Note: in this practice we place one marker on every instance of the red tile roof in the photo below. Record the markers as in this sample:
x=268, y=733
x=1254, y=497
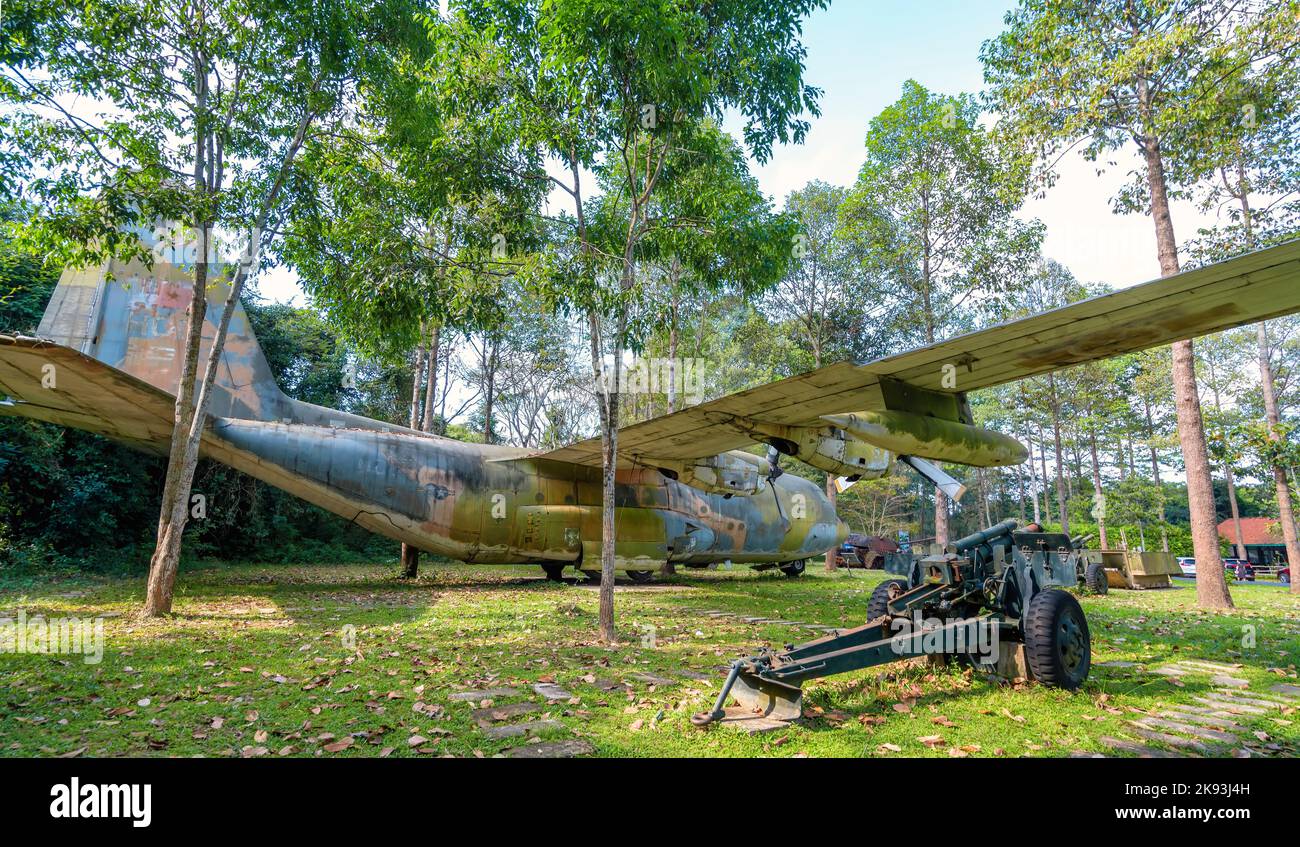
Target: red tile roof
x=1253, y=531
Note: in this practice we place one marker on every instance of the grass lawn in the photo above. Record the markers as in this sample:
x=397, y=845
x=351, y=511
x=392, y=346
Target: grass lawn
x=255, y=662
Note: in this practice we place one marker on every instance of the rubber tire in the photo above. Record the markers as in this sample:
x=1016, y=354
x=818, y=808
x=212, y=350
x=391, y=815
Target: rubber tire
x=640, y=577
x=554, y=572
x=1094, y=576
x=593, y=577
x=1285, y=579
x=880, y=597
x=794, y=569
x=1048, y=620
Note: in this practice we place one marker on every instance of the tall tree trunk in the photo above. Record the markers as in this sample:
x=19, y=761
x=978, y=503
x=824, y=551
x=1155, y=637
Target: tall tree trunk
x=1240, y=545
x=192, y=400
x=831, y=494
x=1020, y=491
x=1061, y=510
x=1155, y=474
x=1228, y=479
x=674, y=277
x=1098, y=494
x=1033, y=481
x=1286, y=514
x=982, y=479
x=1042, y=455
x=174, y=509
x=609, y=404
x=1211, y=582
x=492, y=350
x=668, y=569
x=410, y=556
x=940, y=517
x=1272, y=413
x=431, y=380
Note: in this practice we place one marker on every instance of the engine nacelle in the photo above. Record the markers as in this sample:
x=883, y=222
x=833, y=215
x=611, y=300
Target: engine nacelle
x=910, y=434
x=734, y=472
x=829, y=449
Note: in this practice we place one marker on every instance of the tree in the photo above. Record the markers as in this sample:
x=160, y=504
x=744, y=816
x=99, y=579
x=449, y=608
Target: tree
x=931, y=218
x=205, y=107
x=1222, y=361
x=707, y=224
x=616, y=81
x=414, y=217
x=818, y=292
x=1250, y=166
x=1104, y=75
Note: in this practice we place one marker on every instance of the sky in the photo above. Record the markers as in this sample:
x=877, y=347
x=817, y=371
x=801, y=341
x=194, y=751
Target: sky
x=860, y=52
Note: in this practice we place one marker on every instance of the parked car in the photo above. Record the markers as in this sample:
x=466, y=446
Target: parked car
x=1188, y=565
x=1284, y=575
x=1241, y=569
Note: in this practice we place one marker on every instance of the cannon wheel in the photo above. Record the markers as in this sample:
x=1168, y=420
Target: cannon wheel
x=880, y=597
x=1058, y=646
x=640, y=577
x=1094, y=576
x=794, y=569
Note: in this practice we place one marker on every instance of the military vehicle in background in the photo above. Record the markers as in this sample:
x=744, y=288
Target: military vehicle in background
x=865, y=551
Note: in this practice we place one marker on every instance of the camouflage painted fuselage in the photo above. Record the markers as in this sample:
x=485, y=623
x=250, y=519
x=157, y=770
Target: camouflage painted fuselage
x=489, y=504
x=473, y=502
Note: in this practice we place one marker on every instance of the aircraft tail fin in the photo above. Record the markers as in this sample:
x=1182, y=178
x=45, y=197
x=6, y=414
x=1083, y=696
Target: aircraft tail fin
x=133, y=318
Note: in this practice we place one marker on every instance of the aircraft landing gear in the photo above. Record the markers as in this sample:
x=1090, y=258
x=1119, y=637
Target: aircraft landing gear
x=641, y=577
x=554, y=572
x=794, y=569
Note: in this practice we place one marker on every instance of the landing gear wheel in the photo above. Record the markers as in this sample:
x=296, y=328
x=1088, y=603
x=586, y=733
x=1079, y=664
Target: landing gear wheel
x=593, y=577
x=1094, y=576
x=880, y=597
x=1057, y=644
x=641, y=577
x=794, y=569
x=554, y=572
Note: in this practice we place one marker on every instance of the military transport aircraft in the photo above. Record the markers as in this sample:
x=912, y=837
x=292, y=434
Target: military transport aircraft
x=106, y=359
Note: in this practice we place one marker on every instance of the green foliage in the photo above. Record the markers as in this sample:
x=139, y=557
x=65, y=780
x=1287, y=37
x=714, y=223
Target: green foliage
x=198, y=107
x=931, y=215
x=1168, y=75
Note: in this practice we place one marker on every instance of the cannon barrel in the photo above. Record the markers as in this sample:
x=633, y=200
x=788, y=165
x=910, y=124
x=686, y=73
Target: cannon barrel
x=984, y=536
x=1079, y=541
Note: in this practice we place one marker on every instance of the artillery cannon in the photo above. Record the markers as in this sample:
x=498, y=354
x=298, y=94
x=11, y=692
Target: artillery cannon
x=986, y=596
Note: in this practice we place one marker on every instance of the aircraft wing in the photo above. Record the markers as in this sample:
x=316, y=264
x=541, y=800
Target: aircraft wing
x=1243, y=290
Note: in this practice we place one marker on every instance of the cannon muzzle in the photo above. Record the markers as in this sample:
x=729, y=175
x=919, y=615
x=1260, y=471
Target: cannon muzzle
x=984, y=536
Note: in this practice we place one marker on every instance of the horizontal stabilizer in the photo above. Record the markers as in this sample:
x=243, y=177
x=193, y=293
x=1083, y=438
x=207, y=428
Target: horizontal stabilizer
x=53, y=383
